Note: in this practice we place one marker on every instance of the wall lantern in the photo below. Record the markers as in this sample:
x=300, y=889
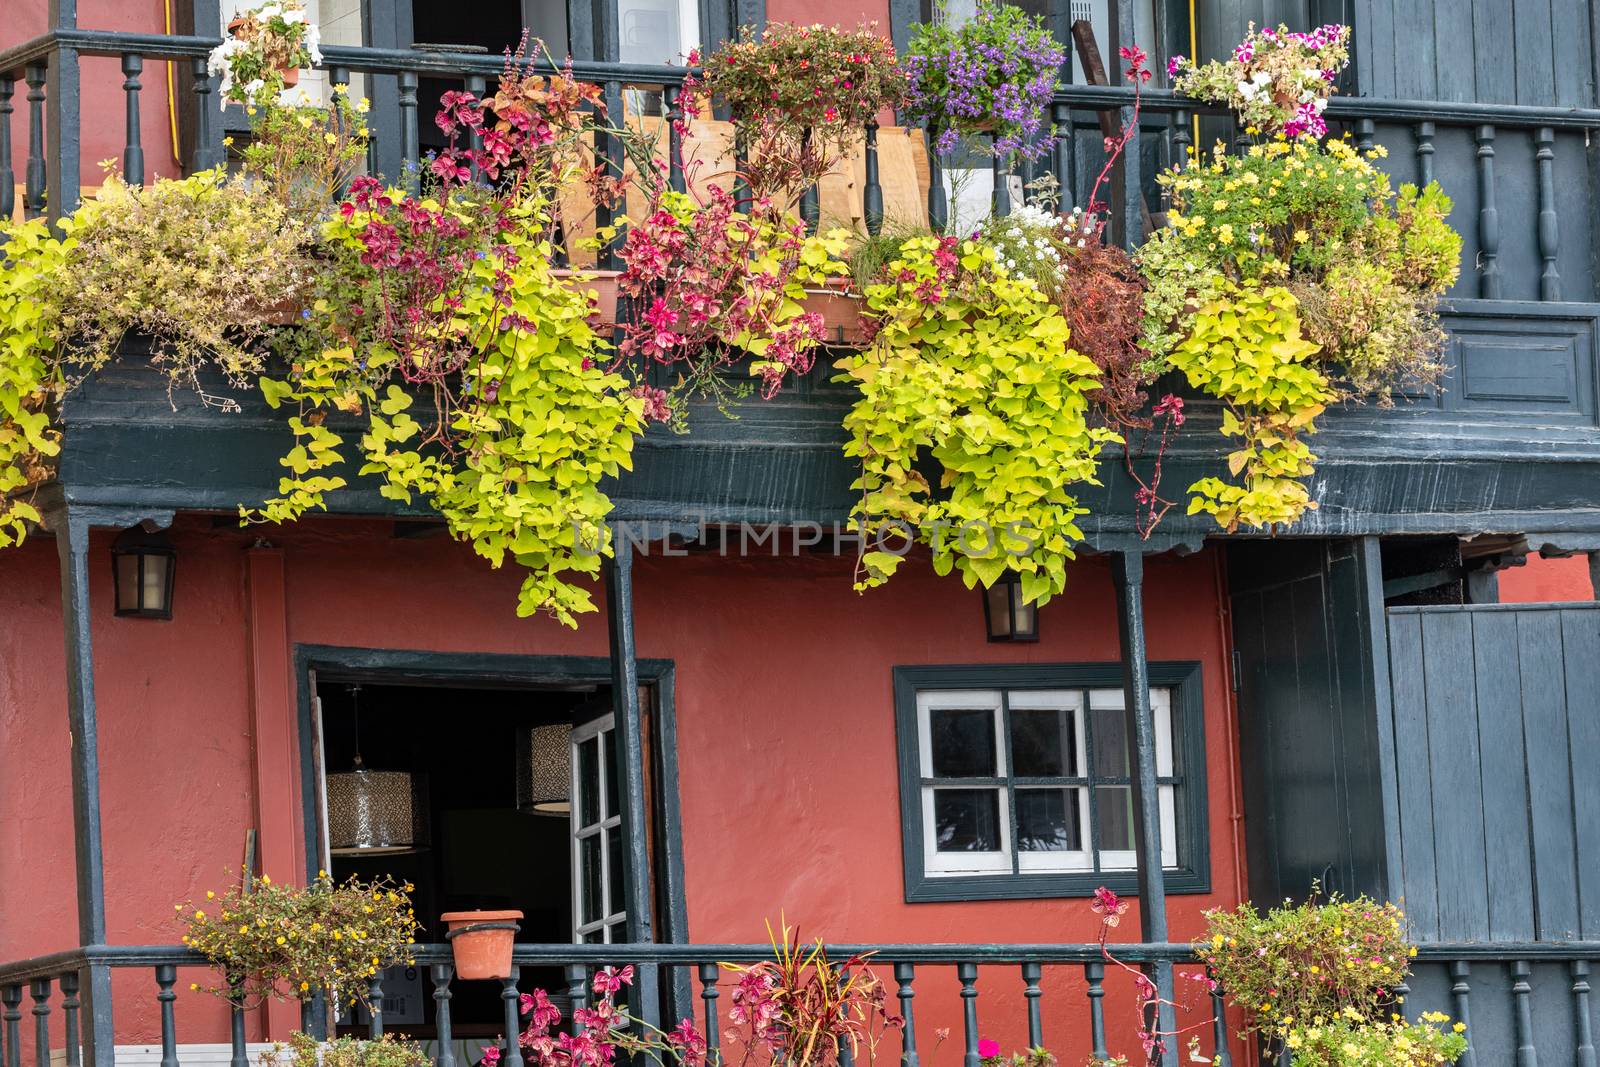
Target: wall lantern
x=375, y=813
x=142, y=563
x=544, y=769
x=1006, y=616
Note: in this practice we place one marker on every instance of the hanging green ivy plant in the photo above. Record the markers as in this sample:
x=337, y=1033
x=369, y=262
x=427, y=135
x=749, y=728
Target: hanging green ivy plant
x=1245, y=349
x=972, y=370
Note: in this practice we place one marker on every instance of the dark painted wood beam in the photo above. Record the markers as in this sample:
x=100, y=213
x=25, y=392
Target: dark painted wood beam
x=630, y=752
x=1127, y=574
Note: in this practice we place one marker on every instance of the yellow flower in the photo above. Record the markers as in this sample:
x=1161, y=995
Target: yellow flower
x=1301, y=237
x=198, y=914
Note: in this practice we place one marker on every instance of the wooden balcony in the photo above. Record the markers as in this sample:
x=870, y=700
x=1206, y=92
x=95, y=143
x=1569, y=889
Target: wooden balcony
x=1509, y=443
x=1522, y=1001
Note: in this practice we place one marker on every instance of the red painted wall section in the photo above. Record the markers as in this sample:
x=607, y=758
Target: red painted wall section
x=104, y=107
x=1543, y=580
x=785, y=718
x=830, y=12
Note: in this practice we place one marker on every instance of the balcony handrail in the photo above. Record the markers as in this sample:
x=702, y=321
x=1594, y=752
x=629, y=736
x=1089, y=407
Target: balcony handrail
x=365, y=60
x=529, y=953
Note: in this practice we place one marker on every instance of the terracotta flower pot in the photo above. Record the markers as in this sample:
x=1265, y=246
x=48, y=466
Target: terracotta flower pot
x=291, y=75
x=840, y=310
x=606, y=285
x=481, y=941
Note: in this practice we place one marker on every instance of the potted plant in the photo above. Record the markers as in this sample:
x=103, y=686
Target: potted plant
x=266, y=48
x=799, y=96
x=993, y=74
x=271, y=940
x=1319, y=979
x=481, y=941
x=1288, y=276
x=1276, y=80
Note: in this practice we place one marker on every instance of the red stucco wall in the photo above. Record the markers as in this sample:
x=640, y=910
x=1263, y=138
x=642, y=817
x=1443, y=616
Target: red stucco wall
x=785, y=719
x=1543, y=580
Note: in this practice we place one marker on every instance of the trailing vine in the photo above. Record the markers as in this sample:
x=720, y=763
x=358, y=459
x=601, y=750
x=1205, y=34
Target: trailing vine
x=1245, y=349
x=971, y=369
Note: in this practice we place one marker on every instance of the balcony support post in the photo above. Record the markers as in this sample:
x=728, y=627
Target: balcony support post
x=72, y=528
x=630, y=752
x=63, y=115
x=1127, y=573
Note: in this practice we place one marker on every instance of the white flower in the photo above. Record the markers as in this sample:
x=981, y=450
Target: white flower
x=313, y=38
x=1261, y=77
x=1246, y=90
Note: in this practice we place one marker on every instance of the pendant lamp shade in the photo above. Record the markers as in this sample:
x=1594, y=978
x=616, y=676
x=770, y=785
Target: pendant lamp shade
x=375, y=813
x=544, y=769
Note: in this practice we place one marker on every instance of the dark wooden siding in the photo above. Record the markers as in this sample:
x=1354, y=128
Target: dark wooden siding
x=1538, y=52
x=1497, y=763
x=1309, y=716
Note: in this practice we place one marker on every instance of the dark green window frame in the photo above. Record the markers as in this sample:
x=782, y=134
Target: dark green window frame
x=1192, y=874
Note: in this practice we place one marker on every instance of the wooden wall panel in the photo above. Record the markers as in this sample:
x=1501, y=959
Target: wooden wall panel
x=1538, y=52
x=1497, y=726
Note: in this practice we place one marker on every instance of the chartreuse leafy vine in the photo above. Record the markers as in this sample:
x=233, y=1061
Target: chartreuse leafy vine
x=26, y=375
x=513, y=458
x=1245, y=349
x=972, y=370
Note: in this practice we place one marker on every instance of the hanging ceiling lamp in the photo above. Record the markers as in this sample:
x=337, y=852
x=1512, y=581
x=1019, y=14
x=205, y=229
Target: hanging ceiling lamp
x=544, y=769
x=375, y=813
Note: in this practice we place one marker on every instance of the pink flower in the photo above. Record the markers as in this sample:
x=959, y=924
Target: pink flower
x=609, y=980
x=490, y=1056
x=1108, y=907
x=689, y=1042
x=988, y=1049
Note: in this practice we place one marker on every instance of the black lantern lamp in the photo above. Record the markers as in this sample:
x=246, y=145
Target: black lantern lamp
x=1005, y=614
x=375, y=813
x=142, y=563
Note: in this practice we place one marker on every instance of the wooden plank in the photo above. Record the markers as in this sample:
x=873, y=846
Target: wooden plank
x=1415, y=77
x=1534, y=41
x=1574, y=55
x=1544, y=709
x=1452, y=753
x=1580, y=642
x=1504, y=779
x=1454, y=78
x=1381, y=62
x=1419, y=874
x=1491, y=50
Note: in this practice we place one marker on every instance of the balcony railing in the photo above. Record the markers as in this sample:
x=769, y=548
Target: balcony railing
x=1522, y=1002
x=1520, y=175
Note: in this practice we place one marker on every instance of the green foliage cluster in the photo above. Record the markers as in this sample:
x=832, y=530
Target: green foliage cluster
x=1319, y=979
x=1245, y=348
x=268, y=939
x=303, y=1050
x=516, y=467
x=1333, y=279
x=29, y=275
x=973, y=371
x=1396, y=1043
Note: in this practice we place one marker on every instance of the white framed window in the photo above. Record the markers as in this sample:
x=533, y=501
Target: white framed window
x=1016, y=781
x=599, y=909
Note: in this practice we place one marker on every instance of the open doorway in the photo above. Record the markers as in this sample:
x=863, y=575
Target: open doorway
x=487, y=795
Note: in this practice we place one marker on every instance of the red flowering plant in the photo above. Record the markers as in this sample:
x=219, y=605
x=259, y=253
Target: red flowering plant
x=803, y=1009
x=799, y=96
x=602, y=1031
x=1152, y=1038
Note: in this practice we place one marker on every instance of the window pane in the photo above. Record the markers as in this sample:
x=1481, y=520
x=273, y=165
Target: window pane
x=1114, y=817
x=588, y=782
x=1042, y=745
x=966, y=820
x=1110, y=755
x=593, y=906
x=614, y=902
x=609, y=739
x=652, y=31
x=963, y=742
x=1047, y=820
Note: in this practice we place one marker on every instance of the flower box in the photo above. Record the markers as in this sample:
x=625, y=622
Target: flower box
x=605, y=287
x=840, y=308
